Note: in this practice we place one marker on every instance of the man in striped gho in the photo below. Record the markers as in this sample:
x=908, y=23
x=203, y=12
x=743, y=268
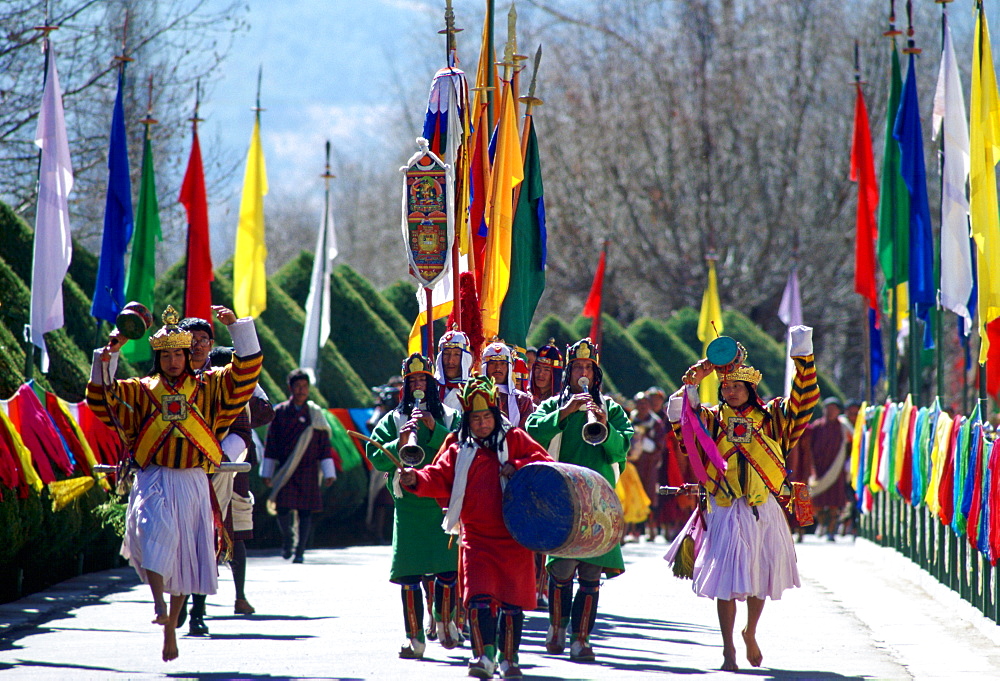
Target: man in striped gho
x=170, y=421
x=747, y=553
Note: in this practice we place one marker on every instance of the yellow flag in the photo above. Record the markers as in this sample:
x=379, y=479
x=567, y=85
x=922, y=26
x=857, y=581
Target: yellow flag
x=249, y=275
x=508, y=172
x=711, y=313
x=984, y=150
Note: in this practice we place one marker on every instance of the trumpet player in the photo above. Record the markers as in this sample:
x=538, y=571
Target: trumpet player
x=413, y=432
x=582, y=427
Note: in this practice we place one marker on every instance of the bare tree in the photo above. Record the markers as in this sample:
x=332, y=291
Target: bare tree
x=177, y=43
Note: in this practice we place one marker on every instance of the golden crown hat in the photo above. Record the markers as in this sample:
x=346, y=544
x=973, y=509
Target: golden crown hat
x=743, y=372
x=583, y=349
x=479, y=394
x=170, y=336
x=497, y=351
x=549, y=355
x=417, y=364
x=453, y=339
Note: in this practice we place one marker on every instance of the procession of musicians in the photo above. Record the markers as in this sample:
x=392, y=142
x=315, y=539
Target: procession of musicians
x=514, y=479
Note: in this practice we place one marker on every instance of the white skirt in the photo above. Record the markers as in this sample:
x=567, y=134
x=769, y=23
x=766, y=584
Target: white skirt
x=169, y=529
x=745, y=556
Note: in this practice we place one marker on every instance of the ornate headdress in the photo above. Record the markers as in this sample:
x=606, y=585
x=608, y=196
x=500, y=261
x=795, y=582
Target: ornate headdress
x=479, y=394
x=583, y=349
x=743, y=372
x=416, y=364
x=170, y=336
x=454, y=340
x=549, y=356
x=497, y=351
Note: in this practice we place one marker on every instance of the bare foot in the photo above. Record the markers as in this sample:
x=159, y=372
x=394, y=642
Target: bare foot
x=162, y=616
x=729, y=660
x=754, y=656
x=170, y=651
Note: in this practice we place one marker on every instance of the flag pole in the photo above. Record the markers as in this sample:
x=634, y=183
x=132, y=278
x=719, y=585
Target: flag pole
x=121, y=59
x=914, y=343
x=44, y=29
x=451, y=52
x=868, y=387
x=490, y=81
x=530, y=101
x=327, y=176
x=892, y=290
x=939, y=331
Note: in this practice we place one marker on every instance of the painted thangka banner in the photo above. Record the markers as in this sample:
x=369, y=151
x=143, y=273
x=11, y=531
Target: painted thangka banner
x=428, y=215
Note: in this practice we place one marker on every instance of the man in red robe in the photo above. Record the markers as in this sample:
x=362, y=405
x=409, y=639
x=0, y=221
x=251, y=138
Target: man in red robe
x=496, y=573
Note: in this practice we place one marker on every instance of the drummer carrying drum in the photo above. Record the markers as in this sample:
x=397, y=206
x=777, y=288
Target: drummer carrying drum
x=582, y=427
x=740, y=446
x=497, y=574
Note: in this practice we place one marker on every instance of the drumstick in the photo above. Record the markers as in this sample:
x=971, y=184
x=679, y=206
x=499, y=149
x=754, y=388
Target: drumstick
x=385, y=451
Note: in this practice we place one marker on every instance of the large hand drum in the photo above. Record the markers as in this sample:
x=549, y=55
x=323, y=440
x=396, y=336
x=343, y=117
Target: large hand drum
x=725, y=354
x=563, y=510
x=134, y=320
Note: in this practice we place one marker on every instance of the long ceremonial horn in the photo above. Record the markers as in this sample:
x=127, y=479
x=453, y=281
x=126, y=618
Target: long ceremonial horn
x=594, y=432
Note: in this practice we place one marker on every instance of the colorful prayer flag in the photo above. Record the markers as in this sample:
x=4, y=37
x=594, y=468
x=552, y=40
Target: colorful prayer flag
x=709, y=328
x=249, y=272
x=141, y=279
x=53, y=245
x=109, y=289
x=199, y=275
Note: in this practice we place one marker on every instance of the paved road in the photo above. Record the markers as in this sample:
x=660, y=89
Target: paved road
x=863, y=613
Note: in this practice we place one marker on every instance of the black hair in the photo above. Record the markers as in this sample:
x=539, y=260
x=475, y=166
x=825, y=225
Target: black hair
x=297, y=375
x=197, y=324
x=753, y=397
x=155, y=370
x=220, y=356
x=594, y=390
x=432, y=400
x=491, y=441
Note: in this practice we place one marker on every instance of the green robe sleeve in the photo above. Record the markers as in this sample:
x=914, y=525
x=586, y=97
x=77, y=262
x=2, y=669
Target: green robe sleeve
x=386, y=435
x=620, y=432
x=543, y=424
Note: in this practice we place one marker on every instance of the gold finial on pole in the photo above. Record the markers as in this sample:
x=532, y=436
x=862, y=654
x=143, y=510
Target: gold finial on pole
x=123, y=58
x=893, y=31
x=195, y=120
x=530, y=100
x=149, y=120
x=449, y=30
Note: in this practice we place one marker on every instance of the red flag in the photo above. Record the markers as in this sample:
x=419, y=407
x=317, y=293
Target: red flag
x=592, y=308
x=863, y=172
x=972, y=525
x=197, y=290
x=479, y=172
x=993, y=358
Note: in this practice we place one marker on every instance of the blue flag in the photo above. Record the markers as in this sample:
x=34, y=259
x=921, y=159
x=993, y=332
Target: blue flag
x=875, y=348
x=907, y=131
x=109, y=291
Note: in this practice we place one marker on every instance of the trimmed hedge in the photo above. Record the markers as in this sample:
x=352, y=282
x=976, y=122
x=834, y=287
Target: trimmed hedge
x=377, y=302
x=402, y=296
x=664, y=346
x=632, y=368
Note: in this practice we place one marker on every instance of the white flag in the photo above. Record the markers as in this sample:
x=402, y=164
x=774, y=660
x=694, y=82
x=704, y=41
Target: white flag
x=317, y=327
x=956, y=257
x=53, y=247
x=790, y=313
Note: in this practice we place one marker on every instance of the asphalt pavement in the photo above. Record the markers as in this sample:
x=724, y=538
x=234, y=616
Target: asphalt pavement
x=863, y=612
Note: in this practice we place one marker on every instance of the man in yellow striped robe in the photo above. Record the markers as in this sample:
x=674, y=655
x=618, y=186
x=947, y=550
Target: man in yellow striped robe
x=747, y=553
x=172, y=422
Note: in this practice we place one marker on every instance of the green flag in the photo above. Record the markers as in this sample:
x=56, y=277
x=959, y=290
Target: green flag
x=894, y=199
x=141, y=277
x=527, y=252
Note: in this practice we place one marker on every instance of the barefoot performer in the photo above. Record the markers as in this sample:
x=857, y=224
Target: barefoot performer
x=747, y=554
x=170, y=421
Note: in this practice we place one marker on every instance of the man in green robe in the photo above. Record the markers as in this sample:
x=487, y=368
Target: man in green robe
x=558, y=424
x=420, y=546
